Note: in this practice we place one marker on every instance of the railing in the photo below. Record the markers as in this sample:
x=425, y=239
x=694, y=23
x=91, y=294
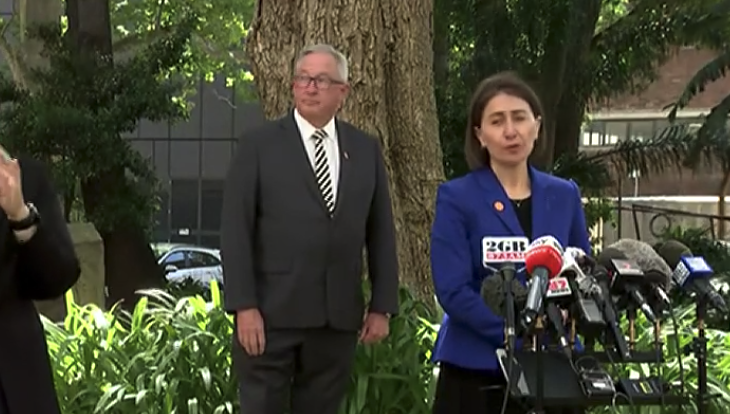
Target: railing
x=663, y=219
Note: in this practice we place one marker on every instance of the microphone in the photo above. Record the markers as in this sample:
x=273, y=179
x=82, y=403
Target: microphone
x=494, y=293
x=691, y=273
x=584, y=307
x=656, y=270
x=627, y=278
x=558, y=291
x=602, y=296
x=543, y=260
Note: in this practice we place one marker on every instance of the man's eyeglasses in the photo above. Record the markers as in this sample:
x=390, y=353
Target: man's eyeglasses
x=320, y=82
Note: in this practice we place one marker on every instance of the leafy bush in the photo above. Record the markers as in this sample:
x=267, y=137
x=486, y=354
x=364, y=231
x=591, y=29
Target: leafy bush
x=173, y=356
x=718, y=363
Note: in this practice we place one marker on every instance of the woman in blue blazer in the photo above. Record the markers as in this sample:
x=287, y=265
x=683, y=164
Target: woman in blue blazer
x=503, y=196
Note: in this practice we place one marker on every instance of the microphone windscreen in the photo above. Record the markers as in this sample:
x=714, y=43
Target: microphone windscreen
x=492, y=292
x=607, y=255
x=656, y=270
x=672, y=252
x=520, y=293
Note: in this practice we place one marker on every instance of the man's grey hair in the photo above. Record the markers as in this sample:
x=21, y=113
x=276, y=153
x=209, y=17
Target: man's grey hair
x=340, y=58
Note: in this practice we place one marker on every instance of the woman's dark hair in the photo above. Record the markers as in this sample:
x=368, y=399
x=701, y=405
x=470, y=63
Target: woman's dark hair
x=504, y=82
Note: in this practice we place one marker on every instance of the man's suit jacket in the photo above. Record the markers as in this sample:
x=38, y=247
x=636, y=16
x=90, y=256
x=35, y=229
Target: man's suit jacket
x=468, y=209
x=43, y=268
x=283, y=254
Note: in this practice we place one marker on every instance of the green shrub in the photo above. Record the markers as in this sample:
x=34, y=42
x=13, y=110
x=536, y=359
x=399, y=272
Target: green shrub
x=718, y=363
x=172, y=355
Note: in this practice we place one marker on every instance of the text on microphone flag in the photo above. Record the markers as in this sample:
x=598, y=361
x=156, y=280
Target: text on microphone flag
x=697, y=265
x=547, y=241
x=503, y=249
x=681, y=273
x=558, y=287
x=626, y=267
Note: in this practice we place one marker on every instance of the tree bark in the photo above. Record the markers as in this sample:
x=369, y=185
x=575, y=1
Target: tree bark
x=129, y=262
x=388, y=43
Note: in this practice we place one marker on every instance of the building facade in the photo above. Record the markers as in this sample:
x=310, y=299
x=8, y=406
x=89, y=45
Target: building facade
x=191, y=160
x=643, y=115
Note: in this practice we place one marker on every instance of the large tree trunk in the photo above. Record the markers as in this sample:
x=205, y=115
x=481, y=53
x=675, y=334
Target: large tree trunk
x=129, y=262
x=388, y=43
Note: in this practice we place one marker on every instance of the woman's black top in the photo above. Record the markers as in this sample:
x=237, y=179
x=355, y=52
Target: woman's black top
x=523, y=208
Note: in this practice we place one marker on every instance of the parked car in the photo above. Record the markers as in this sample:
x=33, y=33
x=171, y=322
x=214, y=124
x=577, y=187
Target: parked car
x=192, y=263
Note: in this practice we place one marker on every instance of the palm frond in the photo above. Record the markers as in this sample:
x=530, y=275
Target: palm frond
x=713, y=138
x=712, y=71
x=666, y=150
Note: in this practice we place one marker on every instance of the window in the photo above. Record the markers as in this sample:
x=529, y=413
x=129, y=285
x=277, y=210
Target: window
x=184, y=205
x=176, y=259
x=593, y=133
x=162, y=216
x=642, y=130
x=211, y=204
x=615, y=132
x=200, y=259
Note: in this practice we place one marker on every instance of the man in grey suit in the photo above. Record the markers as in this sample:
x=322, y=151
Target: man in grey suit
x=304, y=195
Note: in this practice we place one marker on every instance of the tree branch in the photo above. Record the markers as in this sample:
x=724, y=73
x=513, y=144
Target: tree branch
x=17, y=66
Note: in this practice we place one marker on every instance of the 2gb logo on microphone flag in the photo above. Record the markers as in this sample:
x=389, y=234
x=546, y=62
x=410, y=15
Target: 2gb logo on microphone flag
x=503, y=249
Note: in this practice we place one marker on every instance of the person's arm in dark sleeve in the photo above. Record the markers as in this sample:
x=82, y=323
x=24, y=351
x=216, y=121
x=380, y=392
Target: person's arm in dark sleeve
x=47, y=265
x=380, y=243
x=238, y=228
x=579, y=236
x=451, y=267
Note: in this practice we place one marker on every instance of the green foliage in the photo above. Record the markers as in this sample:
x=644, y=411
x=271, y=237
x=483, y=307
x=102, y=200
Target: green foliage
x=219, y=31
x=173, y=356
x=74, y=117
x=718, y=363
x=573, y=53
x=396, y=376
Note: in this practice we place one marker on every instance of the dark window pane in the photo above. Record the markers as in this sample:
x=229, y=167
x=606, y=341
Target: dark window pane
x=162, y=217
x=615, y=132
x=211, y=204
x=642, y=130
x=184, y=205
x=213, y=242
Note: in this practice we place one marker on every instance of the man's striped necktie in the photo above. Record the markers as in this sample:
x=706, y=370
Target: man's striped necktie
x=322, y=171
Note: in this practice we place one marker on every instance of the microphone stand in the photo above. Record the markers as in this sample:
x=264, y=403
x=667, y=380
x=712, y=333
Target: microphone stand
x=509, y=328
x=540, y=380
x=699, y=347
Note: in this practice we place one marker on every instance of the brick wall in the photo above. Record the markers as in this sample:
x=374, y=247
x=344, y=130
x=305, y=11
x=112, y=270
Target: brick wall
x=673, y=77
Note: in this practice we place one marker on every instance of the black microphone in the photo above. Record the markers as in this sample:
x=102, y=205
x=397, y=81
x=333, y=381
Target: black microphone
x=507, y=273
x=586, y=316
x=627, y=279
x=656, y=271
x=602, y=296
x=493, y=292
x=691, y=273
